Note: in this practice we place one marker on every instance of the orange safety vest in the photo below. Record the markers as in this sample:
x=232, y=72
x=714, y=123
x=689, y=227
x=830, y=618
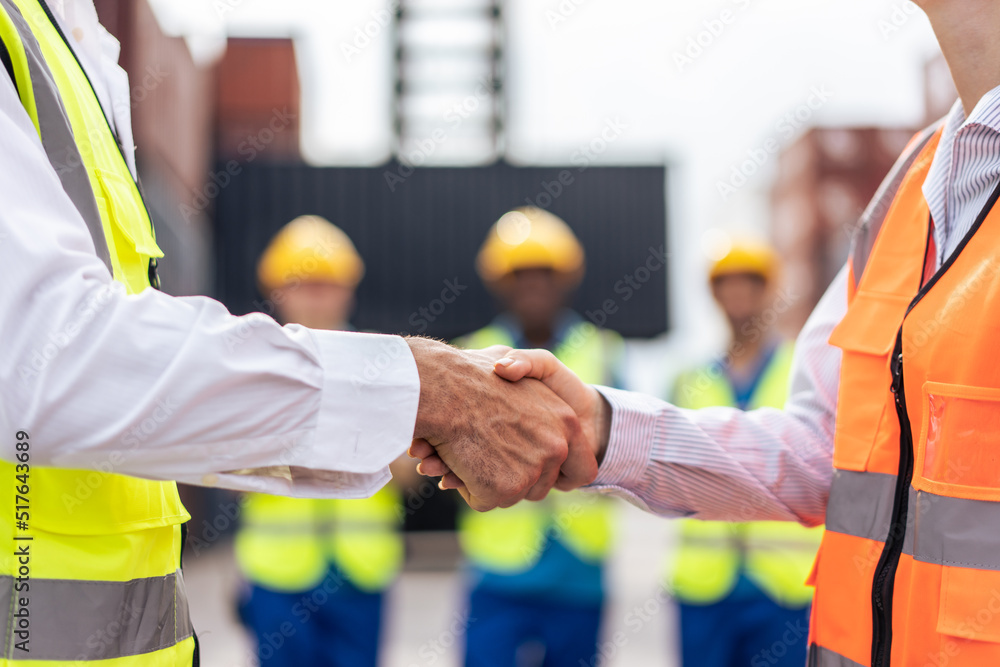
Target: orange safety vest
x=908, y=573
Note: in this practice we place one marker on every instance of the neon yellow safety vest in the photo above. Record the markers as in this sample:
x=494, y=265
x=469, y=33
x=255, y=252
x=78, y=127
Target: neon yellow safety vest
x=775, y=555
x=97, y=576
x=287, y=544
x=511, y=540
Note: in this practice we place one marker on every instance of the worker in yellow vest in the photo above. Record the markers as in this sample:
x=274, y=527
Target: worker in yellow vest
x=319, y=567
x=739, y=585
x=536, y=568
x=74, y=588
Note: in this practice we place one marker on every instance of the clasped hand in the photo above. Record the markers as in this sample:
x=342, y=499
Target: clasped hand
x=502, y=425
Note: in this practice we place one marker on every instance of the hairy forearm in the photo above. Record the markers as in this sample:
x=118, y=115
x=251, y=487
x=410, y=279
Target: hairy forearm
x=433, y=359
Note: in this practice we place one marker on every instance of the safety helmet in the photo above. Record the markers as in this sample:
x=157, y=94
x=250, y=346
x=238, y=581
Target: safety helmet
x=746, y=256
x=309, y=248
x=529, y=238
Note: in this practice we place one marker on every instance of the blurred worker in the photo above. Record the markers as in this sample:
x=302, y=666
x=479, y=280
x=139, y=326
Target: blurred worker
x=537, y=568
x=321, y=565
x=740, y=585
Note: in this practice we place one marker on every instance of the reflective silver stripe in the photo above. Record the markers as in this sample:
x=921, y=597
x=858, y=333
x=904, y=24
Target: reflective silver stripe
x=861, y=504
x=57, y=135
x=71, y=620
x=953, y=531
x=824, y=657
x=939, y=529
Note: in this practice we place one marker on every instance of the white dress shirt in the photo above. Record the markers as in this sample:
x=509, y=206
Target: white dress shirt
x=721, y=463
x=163, y=387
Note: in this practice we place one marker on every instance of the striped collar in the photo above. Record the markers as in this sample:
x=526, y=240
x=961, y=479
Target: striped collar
x=965, y=170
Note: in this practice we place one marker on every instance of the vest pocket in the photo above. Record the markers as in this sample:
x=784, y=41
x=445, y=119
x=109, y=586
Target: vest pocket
x=970, y=604
x=866, y=335
x=132, y=243
x=958, y=451
x=95, y=502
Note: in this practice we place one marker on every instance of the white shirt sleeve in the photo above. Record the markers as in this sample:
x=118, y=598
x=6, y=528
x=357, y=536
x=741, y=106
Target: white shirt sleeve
x=722, y=463
x=162, y=387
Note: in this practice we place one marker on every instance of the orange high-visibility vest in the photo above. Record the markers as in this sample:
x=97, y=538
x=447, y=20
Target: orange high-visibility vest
x=908, y=573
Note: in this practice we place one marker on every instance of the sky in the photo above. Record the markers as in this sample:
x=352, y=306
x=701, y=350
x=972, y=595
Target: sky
x=698, y=85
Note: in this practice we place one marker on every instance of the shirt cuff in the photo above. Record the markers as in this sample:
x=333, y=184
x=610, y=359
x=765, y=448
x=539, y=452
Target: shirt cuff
x=301, y=482
x=630, y=446
x=368, y=409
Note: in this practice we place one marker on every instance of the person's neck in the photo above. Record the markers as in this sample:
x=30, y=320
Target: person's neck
x=967, y=33
x=539, y=335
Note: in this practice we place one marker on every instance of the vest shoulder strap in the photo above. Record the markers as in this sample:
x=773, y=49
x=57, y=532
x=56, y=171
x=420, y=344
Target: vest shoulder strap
x=7, y=64
x=870, y=223
x=35, y=84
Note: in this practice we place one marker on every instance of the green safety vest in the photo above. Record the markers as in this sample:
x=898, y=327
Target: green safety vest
x=511, y=540
x=105, y=581
x=775, y=555
x=288, y=544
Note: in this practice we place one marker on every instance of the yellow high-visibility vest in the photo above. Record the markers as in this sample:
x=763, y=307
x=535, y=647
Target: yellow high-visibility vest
x=287, y=544
x=511, y=540
x=105, y=581
x=775, y=555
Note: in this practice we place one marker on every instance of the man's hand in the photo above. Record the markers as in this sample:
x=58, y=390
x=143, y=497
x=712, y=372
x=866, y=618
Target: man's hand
x=496, y=441
x=588, y=403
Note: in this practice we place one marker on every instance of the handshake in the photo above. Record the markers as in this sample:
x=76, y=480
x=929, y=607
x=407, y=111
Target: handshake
x=504, y=425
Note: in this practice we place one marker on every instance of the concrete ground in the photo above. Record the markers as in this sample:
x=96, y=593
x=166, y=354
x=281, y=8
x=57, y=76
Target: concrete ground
x=639, y=626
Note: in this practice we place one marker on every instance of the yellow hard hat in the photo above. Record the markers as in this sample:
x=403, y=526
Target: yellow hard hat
x=529, y=238
x=310, y=248
x=746, y=256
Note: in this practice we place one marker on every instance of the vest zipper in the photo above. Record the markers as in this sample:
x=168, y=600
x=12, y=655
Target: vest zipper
x=885, y=572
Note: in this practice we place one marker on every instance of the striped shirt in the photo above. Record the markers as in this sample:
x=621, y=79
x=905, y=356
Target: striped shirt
x=964, y=171
x=722, y=463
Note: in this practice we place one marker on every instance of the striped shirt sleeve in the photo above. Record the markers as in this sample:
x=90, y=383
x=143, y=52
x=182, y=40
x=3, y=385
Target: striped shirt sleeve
x=722, y=463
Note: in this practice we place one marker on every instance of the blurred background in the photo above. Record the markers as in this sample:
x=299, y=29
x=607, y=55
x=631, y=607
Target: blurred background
x=653, y=128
